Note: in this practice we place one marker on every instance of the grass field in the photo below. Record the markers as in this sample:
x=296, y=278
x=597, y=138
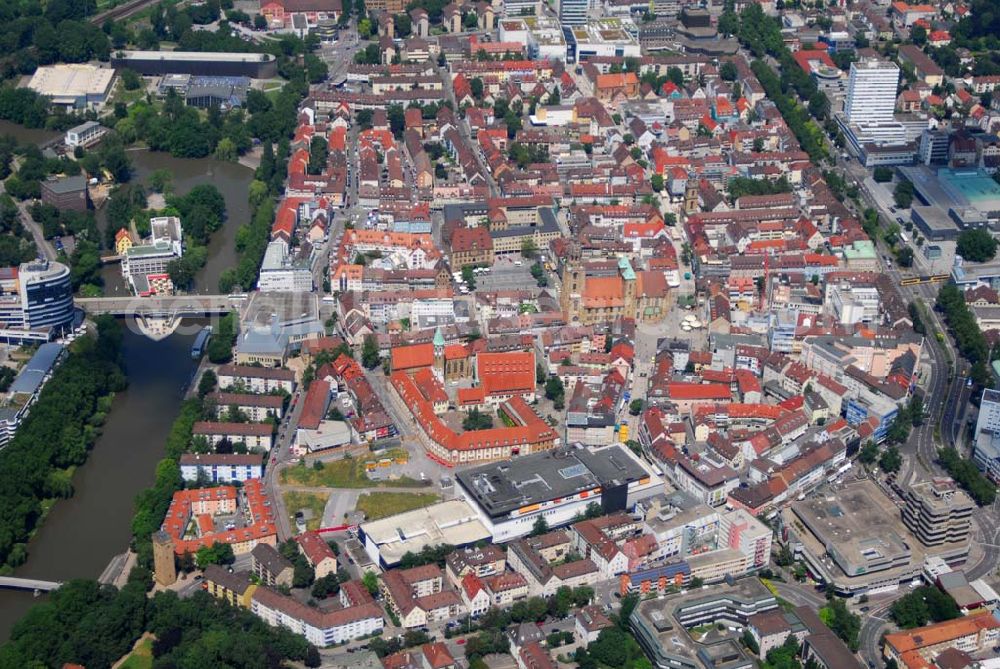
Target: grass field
x=377, y=505
x=141, y=657
x=346, y=473
x=296, y=500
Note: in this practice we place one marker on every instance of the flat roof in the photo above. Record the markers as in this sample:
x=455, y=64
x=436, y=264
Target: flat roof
x=454, y=522
x=857, y=528
x=41, y=363
x=502, y=487
x=74, y=80
x=196, y=56
x=955, y=188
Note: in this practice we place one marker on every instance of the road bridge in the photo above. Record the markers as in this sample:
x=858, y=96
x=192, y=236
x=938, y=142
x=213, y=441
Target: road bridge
x=15, y=583
x=166, y=306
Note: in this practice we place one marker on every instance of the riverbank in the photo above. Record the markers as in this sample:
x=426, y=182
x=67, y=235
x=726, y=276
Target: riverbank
x=95, y=524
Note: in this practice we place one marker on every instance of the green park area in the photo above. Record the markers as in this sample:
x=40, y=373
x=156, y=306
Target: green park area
x=346, y=473
x=141, y=657
x=377, y=505
x=314, y=502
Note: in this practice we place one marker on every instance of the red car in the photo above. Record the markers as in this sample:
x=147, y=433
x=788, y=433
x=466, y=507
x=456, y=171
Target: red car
x=461, y=642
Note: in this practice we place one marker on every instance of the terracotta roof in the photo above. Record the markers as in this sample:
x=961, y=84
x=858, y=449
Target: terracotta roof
x=412, y=357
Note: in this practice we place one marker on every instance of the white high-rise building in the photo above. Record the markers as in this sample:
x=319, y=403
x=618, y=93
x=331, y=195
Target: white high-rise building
x=871, y=92
x=986, y=444
x=573, y=12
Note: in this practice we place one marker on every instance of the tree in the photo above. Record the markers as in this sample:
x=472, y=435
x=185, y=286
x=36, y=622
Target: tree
x=370, y=581
x=891, y=460
x=635, y=407
x=476, y=87
x=370, y=357
x=207, y=383
x=883, y=174
x=476, y=420
x=919, y=35
x=217, y=553
x=923, y=605
x=539, y=527
x=869, y=453
x=656, y=182
x=903, y=194
x=468, y=276
x=976, y=245
x=728, y=71
x=904, y=256
x=555, y=391
x=528, y=248
x=842, y=622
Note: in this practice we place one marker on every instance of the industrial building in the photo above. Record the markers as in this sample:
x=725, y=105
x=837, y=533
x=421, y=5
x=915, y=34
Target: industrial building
x=555, y=485
x=198, y=63
x=77, y=86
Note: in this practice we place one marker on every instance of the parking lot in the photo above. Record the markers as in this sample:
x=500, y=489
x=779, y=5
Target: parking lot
x=507, y=274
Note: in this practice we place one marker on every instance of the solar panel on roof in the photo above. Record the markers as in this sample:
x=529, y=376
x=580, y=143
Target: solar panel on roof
x=573, y=471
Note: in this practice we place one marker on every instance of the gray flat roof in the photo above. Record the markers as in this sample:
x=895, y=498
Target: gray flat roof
x=41, y=363
x=197, y=56
x=502, y=487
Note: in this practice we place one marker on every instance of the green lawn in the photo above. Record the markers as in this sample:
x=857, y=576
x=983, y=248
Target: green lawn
x=377, y=505
x=141, y=657
x=346, y=473
x=296, y=500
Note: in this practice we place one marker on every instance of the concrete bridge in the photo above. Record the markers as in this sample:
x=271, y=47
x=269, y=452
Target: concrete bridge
x=28, y=584
x=167, y=306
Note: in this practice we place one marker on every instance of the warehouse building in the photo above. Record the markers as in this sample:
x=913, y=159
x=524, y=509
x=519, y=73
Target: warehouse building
x=76, y=87
x=253, y=65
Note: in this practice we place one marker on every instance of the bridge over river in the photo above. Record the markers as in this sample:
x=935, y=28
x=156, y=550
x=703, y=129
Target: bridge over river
x=28, y=584
x=166, y=306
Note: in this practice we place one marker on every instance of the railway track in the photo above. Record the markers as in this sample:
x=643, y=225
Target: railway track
x=121, y=11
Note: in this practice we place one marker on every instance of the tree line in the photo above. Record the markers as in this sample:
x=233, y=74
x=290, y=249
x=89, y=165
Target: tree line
x=57, y=434
x=94, y=625
x=969, y=338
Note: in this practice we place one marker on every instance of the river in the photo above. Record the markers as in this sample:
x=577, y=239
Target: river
x=232, y=180
x=81, y=535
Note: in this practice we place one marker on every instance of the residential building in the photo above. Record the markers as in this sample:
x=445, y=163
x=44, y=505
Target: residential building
x=271, y=567
x=235, y=589
x=220, y=467
x=318, y=627
x=920, y=647
x=256, y=408
x=255, y=435
x=263, y=380
x=318, y=554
